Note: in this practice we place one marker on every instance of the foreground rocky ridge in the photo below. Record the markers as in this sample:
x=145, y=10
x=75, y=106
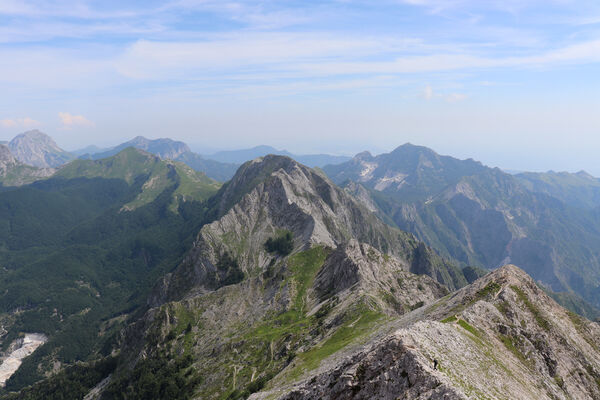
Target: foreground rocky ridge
x=498, y=338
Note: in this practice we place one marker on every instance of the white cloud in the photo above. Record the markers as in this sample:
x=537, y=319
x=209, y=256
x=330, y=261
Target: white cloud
x=25, y=123
x=69, y=121
x=308, y=55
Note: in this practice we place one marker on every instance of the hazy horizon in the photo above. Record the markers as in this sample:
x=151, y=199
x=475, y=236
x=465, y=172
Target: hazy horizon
x=512, y=84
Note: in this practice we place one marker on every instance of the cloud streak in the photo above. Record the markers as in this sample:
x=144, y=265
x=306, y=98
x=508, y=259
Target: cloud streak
x=25, y=123
x=72, y=121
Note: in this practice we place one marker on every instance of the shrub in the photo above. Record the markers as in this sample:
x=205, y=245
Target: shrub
x=283, y=244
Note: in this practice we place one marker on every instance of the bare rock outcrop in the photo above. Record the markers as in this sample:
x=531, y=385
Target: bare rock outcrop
x=38, y=149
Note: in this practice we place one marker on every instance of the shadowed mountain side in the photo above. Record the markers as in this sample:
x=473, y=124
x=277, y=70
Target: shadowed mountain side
x=480, y=216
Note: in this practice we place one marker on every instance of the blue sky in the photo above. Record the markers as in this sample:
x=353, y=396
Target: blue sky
x=515, y=84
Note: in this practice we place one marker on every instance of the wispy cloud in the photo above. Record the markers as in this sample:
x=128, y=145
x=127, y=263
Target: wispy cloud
x=71, y=121
x=25, y=123
x=309, y=55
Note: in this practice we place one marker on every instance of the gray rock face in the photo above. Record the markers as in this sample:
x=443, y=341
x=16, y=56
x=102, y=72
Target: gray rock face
x=38, y=149
x=7, y=160
x=389, y=371
x=357, y=267
x=276, y=193
x=15, y=173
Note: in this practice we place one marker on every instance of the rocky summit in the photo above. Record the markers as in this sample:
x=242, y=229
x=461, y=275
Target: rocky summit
x=38, y=149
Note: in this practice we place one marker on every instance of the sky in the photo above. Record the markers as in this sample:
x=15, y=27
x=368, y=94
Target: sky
x=512, y=83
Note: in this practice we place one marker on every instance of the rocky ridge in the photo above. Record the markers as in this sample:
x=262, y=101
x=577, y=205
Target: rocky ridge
x=501, y=337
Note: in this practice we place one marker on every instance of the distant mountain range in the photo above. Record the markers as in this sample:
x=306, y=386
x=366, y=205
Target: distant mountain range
x=36, y=149
x=241, y=156
x=220, y=166
x=548, y=224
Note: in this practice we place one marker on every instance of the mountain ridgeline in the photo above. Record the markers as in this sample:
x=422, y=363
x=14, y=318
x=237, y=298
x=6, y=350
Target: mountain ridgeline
x=483, y=217
x=151, y=280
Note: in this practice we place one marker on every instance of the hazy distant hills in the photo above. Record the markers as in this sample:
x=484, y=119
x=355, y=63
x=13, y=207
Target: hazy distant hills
x=164, y=148
x=169, y=149
x=241, y=156
x=220, y=166
x=579, y=189
x=485, y=217
x=35, y=148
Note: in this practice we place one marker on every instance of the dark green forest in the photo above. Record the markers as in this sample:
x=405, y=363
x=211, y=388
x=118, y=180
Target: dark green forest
x=74, y=264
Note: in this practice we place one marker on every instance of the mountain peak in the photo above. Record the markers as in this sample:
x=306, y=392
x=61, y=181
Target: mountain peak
x=34, y=135
x=409, y=172
x=38, y=149
x=412, y=147
x=365, y=155
x=163, y=147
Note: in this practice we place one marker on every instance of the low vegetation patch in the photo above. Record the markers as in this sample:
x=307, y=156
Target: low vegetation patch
x=356, y=324
x=451, y=318
x=511, y=345
x=230, y=268
x=282, y=244
x=539, y=318
x=158, y=377
x=490, y=288
x=73, y=382
x=468, y=327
